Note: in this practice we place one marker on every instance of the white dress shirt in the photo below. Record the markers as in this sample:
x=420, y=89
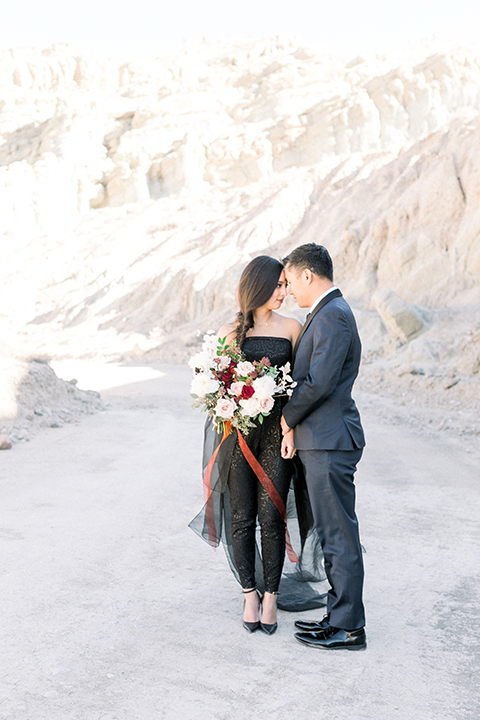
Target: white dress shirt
x=321, y=298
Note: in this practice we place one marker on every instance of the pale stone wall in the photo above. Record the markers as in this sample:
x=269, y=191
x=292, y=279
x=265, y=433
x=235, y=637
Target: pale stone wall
x=131, y=196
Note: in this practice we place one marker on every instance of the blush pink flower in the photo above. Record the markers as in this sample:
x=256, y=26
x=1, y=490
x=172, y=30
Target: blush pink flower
x=225, y=408
x=245, y=368
x=266, y=404
x=235, y=389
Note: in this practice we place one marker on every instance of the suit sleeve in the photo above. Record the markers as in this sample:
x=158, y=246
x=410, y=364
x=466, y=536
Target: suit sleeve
x=331, y=342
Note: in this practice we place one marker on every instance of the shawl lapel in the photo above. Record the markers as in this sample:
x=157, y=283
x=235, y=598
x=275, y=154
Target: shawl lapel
x=334, y=294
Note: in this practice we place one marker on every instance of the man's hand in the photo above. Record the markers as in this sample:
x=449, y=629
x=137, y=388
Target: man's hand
x=288, y=446
x=285, y=428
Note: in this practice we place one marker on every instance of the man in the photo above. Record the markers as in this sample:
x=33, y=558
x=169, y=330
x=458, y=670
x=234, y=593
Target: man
x=329, y=440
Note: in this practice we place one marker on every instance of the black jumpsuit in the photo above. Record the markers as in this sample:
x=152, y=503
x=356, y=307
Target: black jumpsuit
x=248, y=498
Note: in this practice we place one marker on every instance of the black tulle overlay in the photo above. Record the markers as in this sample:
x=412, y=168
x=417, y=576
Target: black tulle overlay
x=240, y=514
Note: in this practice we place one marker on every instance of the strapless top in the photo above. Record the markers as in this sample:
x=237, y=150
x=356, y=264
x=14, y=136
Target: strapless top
x=277, y=349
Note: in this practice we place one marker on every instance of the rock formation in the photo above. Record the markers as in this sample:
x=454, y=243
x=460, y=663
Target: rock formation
x=131, y=196
x=32, y=396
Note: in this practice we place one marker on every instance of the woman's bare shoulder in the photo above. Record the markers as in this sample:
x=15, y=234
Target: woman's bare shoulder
x=229, y=330
x=292, y=327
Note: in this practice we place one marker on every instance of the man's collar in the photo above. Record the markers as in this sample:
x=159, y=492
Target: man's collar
x=321, y=298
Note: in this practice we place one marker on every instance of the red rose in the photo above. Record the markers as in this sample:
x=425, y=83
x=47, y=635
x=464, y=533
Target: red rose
x=226, y=378
x=247, y=392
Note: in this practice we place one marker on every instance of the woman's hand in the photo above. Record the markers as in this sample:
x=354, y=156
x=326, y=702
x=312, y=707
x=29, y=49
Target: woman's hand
x=288, y=446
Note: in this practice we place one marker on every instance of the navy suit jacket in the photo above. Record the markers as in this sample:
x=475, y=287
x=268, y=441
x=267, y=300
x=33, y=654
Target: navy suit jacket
x=326, y=361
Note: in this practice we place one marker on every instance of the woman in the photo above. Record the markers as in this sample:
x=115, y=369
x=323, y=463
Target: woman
x=240, y=498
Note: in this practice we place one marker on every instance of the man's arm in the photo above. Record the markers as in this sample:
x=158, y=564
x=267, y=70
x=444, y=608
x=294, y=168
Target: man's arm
x=331, y=341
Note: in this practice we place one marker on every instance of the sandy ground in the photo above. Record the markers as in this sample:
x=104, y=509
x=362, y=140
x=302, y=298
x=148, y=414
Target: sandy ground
x=112, y=609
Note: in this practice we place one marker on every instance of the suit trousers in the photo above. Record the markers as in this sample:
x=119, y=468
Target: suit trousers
x=329, y=476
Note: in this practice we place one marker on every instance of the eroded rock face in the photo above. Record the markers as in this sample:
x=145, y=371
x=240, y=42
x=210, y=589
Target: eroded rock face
x=218, y=116
x=469, y=353
x=401, y=319
x=131, y=196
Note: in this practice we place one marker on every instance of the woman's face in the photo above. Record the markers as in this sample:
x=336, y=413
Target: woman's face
x=279, y=294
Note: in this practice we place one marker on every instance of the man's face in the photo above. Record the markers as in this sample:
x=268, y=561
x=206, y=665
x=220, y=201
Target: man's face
x=298, y=286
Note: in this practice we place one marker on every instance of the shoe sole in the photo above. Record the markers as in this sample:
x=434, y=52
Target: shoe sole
x=339, y=647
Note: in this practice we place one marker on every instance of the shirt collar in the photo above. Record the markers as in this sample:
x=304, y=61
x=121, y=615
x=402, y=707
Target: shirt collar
x=321, y=298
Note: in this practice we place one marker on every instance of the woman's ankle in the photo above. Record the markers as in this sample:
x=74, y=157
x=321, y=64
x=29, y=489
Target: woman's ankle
x=250, y=605
x=269, y=608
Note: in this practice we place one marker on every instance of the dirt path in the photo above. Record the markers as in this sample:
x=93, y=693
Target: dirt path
x=112, y=609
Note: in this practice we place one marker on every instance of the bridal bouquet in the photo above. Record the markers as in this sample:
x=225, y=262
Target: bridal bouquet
x=234, y=391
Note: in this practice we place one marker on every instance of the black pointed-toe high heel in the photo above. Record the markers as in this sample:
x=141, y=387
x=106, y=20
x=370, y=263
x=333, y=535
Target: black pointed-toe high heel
x=268, y=628
x=250, y=627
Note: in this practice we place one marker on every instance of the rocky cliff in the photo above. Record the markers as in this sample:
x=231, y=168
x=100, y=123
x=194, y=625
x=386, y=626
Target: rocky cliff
x=131, y=196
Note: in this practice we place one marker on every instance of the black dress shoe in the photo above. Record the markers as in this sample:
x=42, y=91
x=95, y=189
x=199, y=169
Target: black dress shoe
x=334, y=639
x=313, y=626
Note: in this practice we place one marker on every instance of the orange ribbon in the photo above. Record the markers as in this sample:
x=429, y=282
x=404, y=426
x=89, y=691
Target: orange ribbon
x=272, y=491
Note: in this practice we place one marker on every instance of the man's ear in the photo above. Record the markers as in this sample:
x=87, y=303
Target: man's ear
x=308, y=275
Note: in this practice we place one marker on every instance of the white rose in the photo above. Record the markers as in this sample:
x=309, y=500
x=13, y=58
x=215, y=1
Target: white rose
x=202, y=360
x=203, y=384
x=244, y=368
x=224, y=360
x=225, y=408
x=250, y=407
x=265, y=386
